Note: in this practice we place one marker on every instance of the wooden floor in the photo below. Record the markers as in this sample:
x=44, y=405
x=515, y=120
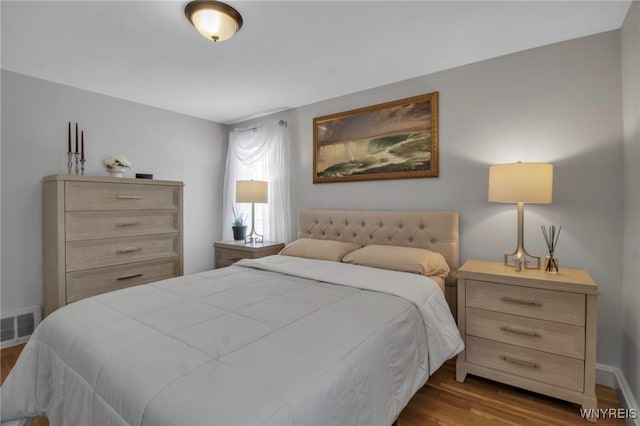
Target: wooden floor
x=477, y=402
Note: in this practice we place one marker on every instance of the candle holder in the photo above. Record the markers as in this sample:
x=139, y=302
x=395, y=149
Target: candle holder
x=77, y=156
x=69, y=161
x=82, y=160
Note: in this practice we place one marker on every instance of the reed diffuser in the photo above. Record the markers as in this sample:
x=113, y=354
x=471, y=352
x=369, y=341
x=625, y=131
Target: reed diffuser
x=551, y=239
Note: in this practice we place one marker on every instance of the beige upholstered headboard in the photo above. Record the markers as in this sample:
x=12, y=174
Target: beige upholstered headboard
x=433, y=230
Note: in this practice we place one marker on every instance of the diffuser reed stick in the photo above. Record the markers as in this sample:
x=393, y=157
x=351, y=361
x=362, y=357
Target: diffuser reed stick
x=551, y=239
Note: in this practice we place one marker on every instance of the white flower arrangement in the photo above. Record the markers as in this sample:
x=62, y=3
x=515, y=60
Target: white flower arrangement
x=113, y=161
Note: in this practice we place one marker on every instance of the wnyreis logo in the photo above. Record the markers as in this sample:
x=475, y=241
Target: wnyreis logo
x=609, y=413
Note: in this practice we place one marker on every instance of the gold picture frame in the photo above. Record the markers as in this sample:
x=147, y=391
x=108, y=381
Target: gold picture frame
x=392, y=140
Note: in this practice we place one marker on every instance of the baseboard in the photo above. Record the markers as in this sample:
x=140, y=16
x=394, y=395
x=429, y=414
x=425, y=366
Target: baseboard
x=613, y=377
x=606, y=375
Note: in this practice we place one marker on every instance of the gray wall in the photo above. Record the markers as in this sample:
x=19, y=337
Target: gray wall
x=34, y=135
x=560, y=104
x=630, y=41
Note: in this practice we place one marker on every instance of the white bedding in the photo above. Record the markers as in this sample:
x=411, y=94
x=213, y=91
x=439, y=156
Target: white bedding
x=278, y=340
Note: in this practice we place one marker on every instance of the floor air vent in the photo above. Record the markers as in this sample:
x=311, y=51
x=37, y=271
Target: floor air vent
x=16, y=326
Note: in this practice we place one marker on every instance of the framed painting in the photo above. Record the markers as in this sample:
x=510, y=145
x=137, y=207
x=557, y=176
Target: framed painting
x=393, y=140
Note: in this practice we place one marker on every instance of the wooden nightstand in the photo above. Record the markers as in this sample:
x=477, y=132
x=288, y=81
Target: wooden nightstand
x=529, y=329
x=229, y=252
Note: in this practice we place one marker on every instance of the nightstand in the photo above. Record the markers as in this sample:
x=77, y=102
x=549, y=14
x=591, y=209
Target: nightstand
x=529, y=329
x=229, y=252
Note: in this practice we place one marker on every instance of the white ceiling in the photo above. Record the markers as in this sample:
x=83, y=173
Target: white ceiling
x=288, y=53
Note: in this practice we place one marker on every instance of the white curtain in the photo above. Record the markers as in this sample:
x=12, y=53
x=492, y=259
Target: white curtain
x=260, y=153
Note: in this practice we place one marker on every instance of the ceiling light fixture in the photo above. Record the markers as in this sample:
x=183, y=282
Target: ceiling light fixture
x=214, y=20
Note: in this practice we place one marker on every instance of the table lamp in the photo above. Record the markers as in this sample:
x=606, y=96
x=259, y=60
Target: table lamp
x=521, y=183
x=252, y=191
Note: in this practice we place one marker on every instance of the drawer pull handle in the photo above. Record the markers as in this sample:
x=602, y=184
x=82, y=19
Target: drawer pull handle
x=128, y=250
x=520, y=301
x=128, y=223
x=129, y=197
x=128, y=277
x=519, y=362
x=518, y=331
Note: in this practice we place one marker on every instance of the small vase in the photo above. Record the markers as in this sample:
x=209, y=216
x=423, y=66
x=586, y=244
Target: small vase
x=116, y=171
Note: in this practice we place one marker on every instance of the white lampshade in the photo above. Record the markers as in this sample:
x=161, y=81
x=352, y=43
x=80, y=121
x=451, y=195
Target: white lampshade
x=214, y=20
x=521, y=182
x=251, y=191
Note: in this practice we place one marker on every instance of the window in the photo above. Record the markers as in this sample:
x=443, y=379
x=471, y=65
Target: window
x=260, y=153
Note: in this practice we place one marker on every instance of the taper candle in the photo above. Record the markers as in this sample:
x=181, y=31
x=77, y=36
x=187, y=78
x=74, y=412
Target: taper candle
x=82, y=149
x=69, y=147
x=77, y=137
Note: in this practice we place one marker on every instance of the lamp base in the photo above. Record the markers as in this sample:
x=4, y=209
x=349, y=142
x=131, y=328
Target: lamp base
x=254, y=238
x=522, y=260
x=520, y=255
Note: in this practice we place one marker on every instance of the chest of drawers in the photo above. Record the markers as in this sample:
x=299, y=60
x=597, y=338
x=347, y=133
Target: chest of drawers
x=529, y=329
x=103, y=234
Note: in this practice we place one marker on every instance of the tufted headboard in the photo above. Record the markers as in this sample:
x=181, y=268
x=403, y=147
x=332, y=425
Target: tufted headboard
x=433, y=230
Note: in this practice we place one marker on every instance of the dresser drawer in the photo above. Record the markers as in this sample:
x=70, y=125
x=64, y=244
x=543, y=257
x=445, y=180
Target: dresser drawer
x=558, y=306
x=552, y=337
x=555, y=370
x=84, y=284
x=87, y=225
x=115, y=251
x=120, y=196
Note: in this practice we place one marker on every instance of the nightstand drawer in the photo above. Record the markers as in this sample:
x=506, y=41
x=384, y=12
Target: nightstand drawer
x=555, y=370
x=558, y=306
x=552, y=337
x=228, y=257
x=226, y=253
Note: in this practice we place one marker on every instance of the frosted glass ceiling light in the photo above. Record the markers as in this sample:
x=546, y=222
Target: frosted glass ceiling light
x=214, y=20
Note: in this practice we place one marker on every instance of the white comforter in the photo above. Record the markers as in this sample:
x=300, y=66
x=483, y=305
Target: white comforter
x=269, y=341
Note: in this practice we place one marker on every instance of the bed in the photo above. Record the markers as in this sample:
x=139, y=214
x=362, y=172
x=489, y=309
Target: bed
x=281, y=340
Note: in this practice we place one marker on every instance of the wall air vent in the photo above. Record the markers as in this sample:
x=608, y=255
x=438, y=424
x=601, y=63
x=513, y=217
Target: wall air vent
x=17, y=326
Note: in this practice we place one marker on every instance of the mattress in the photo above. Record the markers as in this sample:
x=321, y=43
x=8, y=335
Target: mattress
x=276, y=341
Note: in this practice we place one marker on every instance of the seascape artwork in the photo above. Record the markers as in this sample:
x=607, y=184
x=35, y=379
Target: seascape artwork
x=388, y=141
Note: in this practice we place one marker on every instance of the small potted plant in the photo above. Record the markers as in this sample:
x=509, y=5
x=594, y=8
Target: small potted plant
x=238, y=226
